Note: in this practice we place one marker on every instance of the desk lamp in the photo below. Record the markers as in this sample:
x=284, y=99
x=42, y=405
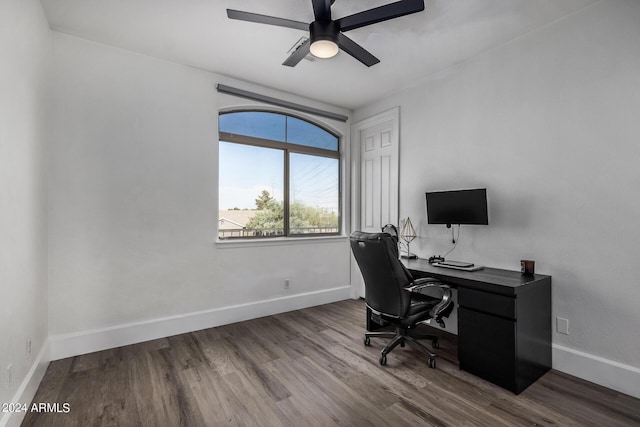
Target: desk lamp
x=407, y=234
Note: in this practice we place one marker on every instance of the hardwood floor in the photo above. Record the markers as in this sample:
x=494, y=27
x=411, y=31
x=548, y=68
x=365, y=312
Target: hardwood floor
x=305, y=368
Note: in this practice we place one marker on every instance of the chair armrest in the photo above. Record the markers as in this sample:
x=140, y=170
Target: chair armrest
x=444, y=307
x=426, y=282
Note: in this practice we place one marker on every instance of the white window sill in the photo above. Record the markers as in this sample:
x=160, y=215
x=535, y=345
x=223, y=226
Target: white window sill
x=278, y=241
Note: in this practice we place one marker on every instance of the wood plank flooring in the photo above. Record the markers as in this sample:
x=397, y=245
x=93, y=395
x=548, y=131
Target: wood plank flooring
x=305, y=368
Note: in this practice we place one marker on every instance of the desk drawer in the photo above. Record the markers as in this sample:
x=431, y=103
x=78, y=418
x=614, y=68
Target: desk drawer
x=487, y=347
x=486, y=302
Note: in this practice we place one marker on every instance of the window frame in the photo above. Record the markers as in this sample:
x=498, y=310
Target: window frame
x=287, y=148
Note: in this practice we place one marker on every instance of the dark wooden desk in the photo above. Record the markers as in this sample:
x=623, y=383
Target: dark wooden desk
x=504, y=322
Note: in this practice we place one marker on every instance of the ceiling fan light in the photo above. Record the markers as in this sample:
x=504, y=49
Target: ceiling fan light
x=324, y=49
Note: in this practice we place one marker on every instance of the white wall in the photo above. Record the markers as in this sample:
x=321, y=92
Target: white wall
x=549, y=124
x=134, y=203
x=24, y=52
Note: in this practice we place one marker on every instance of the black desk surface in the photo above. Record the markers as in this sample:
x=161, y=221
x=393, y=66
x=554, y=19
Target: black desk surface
x=495, y=280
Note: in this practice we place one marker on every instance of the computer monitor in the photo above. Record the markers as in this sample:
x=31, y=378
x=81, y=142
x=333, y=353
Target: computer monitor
x=457, y=207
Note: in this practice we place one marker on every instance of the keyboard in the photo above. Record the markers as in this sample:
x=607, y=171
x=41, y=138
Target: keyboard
x=457, y=265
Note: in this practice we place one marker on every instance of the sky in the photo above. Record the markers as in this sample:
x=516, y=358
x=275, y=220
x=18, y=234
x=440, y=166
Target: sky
x=245, y=171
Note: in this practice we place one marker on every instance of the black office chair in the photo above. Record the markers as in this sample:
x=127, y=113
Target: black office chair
x=392, y=293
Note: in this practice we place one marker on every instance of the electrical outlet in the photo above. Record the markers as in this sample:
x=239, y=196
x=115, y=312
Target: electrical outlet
x=562, y=325
x=28, y=349
x=287, y=284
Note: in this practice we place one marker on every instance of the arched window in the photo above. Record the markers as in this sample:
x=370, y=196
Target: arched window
x=279, y=175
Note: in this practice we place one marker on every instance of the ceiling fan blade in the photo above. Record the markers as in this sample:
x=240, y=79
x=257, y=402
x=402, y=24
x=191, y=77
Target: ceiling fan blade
x=357, y=51
x=379, y=14
x=322, y=10
x=298, y=55
x=264, y=19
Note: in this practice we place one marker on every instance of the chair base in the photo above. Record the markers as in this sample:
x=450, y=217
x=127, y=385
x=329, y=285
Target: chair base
x=401, y=337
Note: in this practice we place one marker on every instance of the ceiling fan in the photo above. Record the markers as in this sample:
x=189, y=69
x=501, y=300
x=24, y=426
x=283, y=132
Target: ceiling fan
x=326, y=34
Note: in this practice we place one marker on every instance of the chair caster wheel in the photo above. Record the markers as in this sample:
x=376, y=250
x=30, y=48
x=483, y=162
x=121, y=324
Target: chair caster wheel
x=367, y=341
x=435, y=344
x=432, y=363
x=383, y=359
x=402, y=344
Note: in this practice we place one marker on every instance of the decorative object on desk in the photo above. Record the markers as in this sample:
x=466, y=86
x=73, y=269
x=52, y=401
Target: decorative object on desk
x=407, y=234
x=527, y=267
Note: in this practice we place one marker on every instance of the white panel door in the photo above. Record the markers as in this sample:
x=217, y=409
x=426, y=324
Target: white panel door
x=379, y=176
x=377, y=140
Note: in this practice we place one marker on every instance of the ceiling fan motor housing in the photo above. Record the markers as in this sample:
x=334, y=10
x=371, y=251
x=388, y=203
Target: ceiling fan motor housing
x=324, y=30
x=324, y=38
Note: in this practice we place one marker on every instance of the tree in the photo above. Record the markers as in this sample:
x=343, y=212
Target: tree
x=269, y=217
x=264, y=200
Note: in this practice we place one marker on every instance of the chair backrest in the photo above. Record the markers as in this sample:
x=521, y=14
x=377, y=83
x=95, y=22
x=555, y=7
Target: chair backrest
x=384, y=275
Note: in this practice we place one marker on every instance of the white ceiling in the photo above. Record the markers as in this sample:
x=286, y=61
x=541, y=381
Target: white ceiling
x=198, y=33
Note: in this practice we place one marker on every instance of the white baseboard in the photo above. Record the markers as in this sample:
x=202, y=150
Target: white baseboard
x=28, y=388
x=67, y=345
x=607, y=373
